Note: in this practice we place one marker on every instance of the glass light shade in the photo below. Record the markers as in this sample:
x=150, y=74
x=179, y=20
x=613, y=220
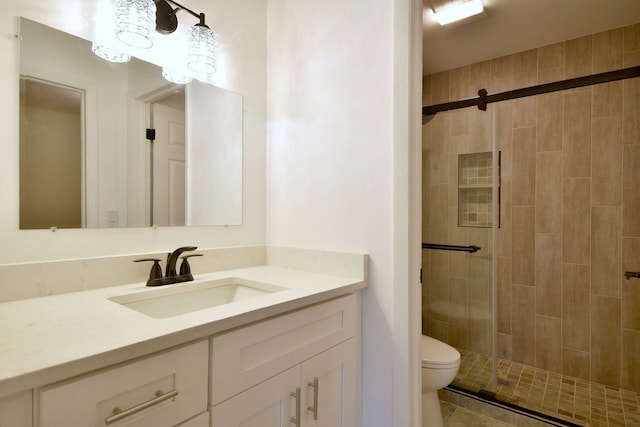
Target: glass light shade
x=202, y=49
x=109, y=53
x=175, y=77
x=135, y=22
x=458, y=11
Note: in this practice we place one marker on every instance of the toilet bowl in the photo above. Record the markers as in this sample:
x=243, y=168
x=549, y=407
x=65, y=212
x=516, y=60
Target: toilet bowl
x=440, y=364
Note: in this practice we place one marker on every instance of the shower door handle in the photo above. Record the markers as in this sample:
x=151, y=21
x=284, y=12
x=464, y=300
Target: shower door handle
x=471, y=249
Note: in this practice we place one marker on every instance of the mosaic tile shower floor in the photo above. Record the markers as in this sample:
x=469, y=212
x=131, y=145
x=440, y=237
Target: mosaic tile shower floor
x=564, y=397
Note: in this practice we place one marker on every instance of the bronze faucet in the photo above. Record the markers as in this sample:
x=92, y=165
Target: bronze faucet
x=171, y=276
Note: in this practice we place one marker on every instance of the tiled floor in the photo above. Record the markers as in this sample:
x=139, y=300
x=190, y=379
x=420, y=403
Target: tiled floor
x=456, y=416
x=563, y=397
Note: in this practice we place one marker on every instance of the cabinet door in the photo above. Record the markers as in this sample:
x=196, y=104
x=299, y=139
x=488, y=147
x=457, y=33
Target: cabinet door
x=15, y=411
x=268, y=404
x=329, y=384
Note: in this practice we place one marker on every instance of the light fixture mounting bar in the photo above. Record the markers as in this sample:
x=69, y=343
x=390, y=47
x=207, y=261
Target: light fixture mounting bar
x=200, y=16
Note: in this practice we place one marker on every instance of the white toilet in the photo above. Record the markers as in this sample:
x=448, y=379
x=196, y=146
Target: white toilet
x=440, y=363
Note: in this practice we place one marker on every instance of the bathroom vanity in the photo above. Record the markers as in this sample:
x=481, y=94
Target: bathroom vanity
x=286, y=356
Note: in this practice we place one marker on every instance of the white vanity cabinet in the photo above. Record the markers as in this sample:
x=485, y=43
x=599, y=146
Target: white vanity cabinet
x=166, y=389
x=287, y=369
x=16, y=410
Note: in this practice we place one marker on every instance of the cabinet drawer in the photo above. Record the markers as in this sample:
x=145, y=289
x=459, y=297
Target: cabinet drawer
x=161, y=390
x=247, y=356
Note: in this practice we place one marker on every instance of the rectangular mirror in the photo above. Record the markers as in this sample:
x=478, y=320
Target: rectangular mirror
x=87, y=159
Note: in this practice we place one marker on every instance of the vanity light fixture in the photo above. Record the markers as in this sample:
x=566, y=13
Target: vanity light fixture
x=109, y=53
x=135, y=21
x=458, y=11
x=202, y=48
x=175, y=77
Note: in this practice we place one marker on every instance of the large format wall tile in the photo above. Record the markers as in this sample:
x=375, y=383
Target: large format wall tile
x=523, y=173
x=575, y=306
x=548, y=346
x=631, y=110
x=523, y=324
x=551, y=63
x=578, y=57
x=576, y=221
x=549, y=123
x=607, y=50
x=605, y=340
x=630, y=360
x=548, y=194
x=548, y=275
x=577, y=134
x=606, y=163
x=524, y=244
x=575, y=363
x=606, y=248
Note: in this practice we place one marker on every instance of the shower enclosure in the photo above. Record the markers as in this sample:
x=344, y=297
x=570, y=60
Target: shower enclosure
x=531, y=240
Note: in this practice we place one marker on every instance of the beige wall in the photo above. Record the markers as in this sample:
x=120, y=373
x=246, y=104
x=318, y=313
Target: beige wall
x=50, y=169
x=570, y=211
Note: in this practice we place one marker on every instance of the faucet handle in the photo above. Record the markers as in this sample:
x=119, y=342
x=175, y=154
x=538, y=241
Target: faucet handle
x=185, y=268
x=156, y=270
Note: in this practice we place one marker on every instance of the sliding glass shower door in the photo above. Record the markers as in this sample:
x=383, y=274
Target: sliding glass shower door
x=544, y=312
x=461, y=197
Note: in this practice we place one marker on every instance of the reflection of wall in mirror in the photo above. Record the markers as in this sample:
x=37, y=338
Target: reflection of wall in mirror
x=214, y=151
x=50, y=156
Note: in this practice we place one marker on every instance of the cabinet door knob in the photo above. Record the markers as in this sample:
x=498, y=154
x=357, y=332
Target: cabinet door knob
x=314, y=408
x=296, y=396
x=119, y=414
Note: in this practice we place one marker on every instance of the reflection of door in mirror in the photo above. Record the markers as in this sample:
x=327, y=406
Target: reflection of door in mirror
x=51, y=141
x=168, y=179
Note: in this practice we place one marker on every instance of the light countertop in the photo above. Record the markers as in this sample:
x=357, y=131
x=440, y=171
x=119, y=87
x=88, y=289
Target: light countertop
x=48, y=339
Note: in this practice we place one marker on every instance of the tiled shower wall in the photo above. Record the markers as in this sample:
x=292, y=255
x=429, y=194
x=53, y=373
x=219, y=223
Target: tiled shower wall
x=570, y=212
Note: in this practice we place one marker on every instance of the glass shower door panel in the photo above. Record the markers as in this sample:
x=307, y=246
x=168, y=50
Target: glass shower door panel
x=460, y=195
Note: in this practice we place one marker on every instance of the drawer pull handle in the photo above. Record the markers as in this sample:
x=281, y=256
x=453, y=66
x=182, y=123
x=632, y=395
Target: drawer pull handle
x=296, y=395
x=314, y=408
x=119, y=414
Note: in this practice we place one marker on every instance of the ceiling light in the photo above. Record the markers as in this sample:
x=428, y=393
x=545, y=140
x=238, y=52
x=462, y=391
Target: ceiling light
x=135, y=21
x=458, y=11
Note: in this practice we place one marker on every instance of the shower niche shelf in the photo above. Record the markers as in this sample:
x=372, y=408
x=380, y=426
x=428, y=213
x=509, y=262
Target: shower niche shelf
x=475, y=190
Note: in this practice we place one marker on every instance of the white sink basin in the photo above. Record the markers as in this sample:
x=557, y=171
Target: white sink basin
x=173, y=300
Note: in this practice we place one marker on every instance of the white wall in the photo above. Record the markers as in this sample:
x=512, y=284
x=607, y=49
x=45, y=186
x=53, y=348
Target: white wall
x=241, y=29
x=338, y=165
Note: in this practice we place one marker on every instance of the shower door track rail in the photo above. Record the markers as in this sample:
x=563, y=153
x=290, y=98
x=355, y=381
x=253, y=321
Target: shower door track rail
x=436, y=246
x=483, y=98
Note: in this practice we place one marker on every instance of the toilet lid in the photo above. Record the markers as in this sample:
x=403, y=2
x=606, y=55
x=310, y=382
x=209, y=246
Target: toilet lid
x=437, y=353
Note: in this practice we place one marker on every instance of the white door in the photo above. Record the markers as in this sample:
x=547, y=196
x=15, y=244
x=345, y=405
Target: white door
x=268, y=404
x=169, y=166
x=331, y=377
